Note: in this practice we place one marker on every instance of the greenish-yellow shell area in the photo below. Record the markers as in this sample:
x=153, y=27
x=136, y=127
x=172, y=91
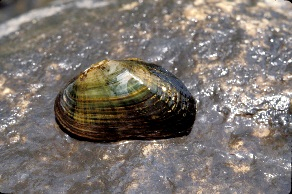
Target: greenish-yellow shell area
x=125, y=99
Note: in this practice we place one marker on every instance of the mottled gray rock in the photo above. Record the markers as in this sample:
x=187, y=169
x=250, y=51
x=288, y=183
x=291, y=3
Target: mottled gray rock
x=13, y=8
x=234, y=56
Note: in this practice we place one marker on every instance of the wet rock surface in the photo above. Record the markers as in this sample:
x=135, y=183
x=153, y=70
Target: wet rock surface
x=13, y=8
x=235, y=58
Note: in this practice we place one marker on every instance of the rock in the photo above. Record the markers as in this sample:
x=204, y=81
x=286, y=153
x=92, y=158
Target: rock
x=234, y=57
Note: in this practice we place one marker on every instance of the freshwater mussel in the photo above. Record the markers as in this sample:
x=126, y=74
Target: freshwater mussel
x=126, y=99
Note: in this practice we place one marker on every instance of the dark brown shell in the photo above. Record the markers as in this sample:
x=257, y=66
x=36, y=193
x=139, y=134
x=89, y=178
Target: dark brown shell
x=125, y=99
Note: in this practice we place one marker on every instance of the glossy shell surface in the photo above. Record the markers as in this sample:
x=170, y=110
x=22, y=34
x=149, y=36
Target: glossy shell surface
x=125, y=99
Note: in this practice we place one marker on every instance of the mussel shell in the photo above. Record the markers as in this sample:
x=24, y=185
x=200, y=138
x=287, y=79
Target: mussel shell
x=125, y=99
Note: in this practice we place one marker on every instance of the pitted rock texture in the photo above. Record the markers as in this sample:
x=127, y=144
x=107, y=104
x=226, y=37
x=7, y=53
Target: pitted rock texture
x=234, y=57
